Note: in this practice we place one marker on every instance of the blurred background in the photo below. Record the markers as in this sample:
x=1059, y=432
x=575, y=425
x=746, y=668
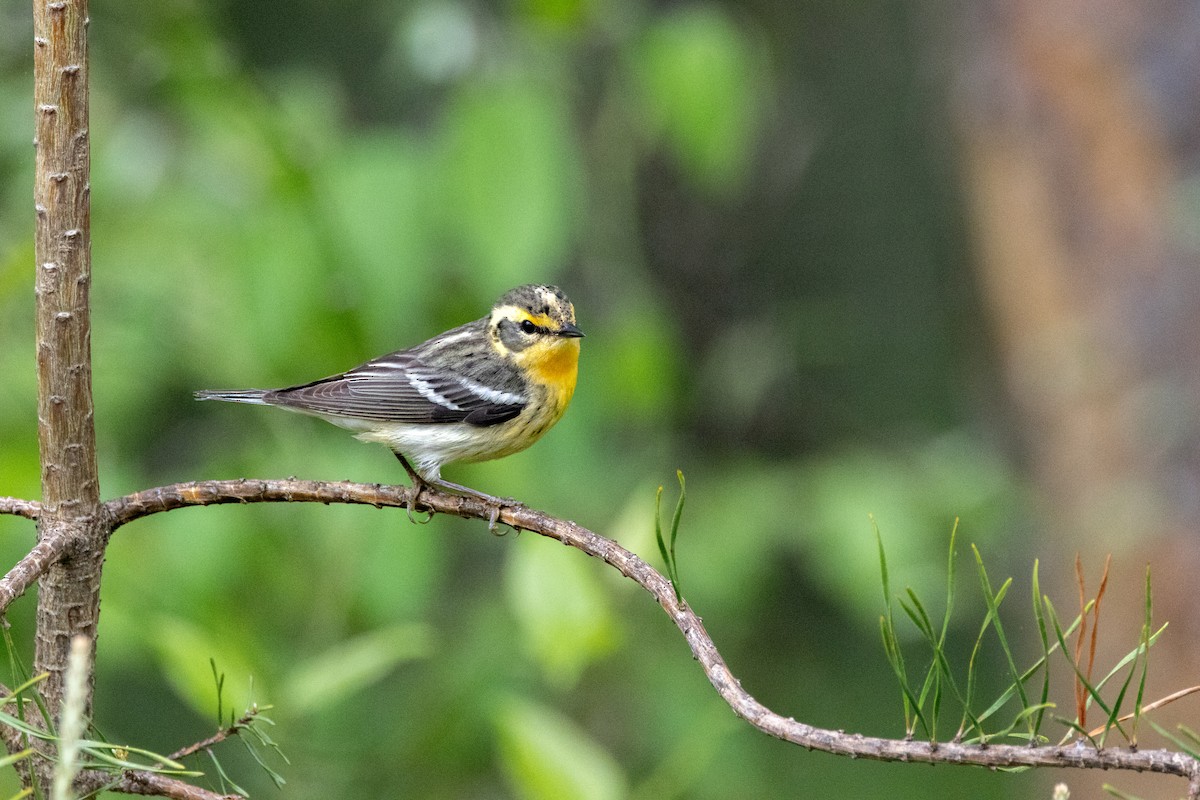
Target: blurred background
x=915, y=260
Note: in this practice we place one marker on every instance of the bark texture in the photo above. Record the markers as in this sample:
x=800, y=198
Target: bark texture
x=69, y=594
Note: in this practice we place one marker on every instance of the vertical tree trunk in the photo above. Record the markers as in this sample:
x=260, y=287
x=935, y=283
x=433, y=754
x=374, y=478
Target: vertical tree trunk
x=69, y=594
x=1080, y=128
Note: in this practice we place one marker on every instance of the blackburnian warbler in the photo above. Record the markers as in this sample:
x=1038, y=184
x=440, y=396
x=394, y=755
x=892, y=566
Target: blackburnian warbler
x=483, y=390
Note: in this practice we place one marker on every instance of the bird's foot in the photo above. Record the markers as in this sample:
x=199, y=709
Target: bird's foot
x=418, y=485
x=496, y=505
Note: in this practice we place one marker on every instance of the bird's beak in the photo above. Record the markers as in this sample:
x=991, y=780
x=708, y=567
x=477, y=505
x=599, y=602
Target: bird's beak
x=569, y=331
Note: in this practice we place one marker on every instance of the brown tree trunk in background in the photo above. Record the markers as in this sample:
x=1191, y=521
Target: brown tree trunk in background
x=69, y=593
x=1080, y=121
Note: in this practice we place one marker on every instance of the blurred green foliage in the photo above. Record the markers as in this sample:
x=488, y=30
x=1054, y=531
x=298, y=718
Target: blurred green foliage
x=752, y=208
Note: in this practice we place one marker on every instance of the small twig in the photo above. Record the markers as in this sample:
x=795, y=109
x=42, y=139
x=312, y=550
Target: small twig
x=1159, y=703
x=29, y=509
x=215, y=739
x=1078, y=755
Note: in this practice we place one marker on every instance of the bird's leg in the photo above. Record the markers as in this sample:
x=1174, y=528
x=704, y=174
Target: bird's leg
x=497, y=504
x=418, y=483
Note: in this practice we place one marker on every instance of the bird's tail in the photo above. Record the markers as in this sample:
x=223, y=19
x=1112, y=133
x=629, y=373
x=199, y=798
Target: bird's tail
x=254, y=396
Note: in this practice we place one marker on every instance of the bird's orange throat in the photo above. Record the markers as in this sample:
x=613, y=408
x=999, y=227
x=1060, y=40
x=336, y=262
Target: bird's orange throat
x=555, y=365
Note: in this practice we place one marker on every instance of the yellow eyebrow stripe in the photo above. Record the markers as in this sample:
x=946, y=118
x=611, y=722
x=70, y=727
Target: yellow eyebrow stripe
x=541, y=320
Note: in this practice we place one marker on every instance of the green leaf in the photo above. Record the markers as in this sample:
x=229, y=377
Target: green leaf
x=546, y=756
x=562, y=607
x=684, y=764
x=375, y=190
x=186, y=651
x=701, y=84
x=511, y=178
x=350, y=666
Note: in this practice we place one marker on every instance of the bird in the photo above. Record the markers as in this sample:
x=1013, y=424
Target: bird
x=483, y=390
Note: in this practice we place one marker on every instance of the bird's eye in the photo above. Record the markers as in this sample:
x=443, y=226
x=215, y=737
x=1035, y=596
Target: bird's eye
x=528, y=327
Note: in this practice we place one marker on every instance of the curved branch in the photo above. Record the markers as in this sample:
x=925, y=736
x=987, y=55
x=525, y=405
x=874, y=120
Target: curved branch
x=290, y=490
x=29, y=509
x=1079, y=755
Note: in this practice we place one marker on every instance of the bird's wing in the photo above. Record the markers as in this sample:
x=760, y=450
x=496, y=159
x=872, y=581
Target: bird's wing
x=400, y=387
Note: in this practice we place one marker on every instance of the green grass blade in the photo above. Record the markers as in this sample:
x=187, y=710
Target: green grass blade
x=1087, y=685
x=13, y=758
x=1190, y=734
x=1073, y=725
x=24, y=727
x=666, y=545
x=1118, y=703
x=916, y=613
x=275, y=777
x=1141, y=692
x=976, y=721
x=940, y=675
x=219, y=680
x=992, y=617
x=1130, y=656
x=160, y=763
x=993, y=600
x=658, y=535
x=931, y=673
x=226, y=784
x=1184, y=748
x=939, y=646
x=891, y=643
x=1040, y=708
x=891, y=649
x=678, y=515
x=1044, y=637
x=883, y=568
x=949, y=582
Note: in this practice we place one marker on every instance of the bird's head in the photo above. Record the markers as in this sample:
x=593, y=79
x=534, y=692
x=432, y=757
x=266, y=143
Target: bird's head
x=534, y=326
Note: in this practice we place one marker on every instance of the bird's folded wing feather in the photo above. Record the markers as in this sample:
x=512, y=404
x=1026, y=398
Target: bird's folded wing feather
x=401, y=388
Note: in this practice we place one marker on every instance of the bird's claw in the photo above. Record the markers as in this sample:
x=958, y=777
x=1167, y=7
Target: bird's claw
x=496, y=505
x=410, y=507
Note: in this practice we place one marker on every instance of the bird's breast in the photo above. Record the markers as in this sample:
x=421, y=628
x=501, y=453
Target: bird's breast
x=556, y=368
